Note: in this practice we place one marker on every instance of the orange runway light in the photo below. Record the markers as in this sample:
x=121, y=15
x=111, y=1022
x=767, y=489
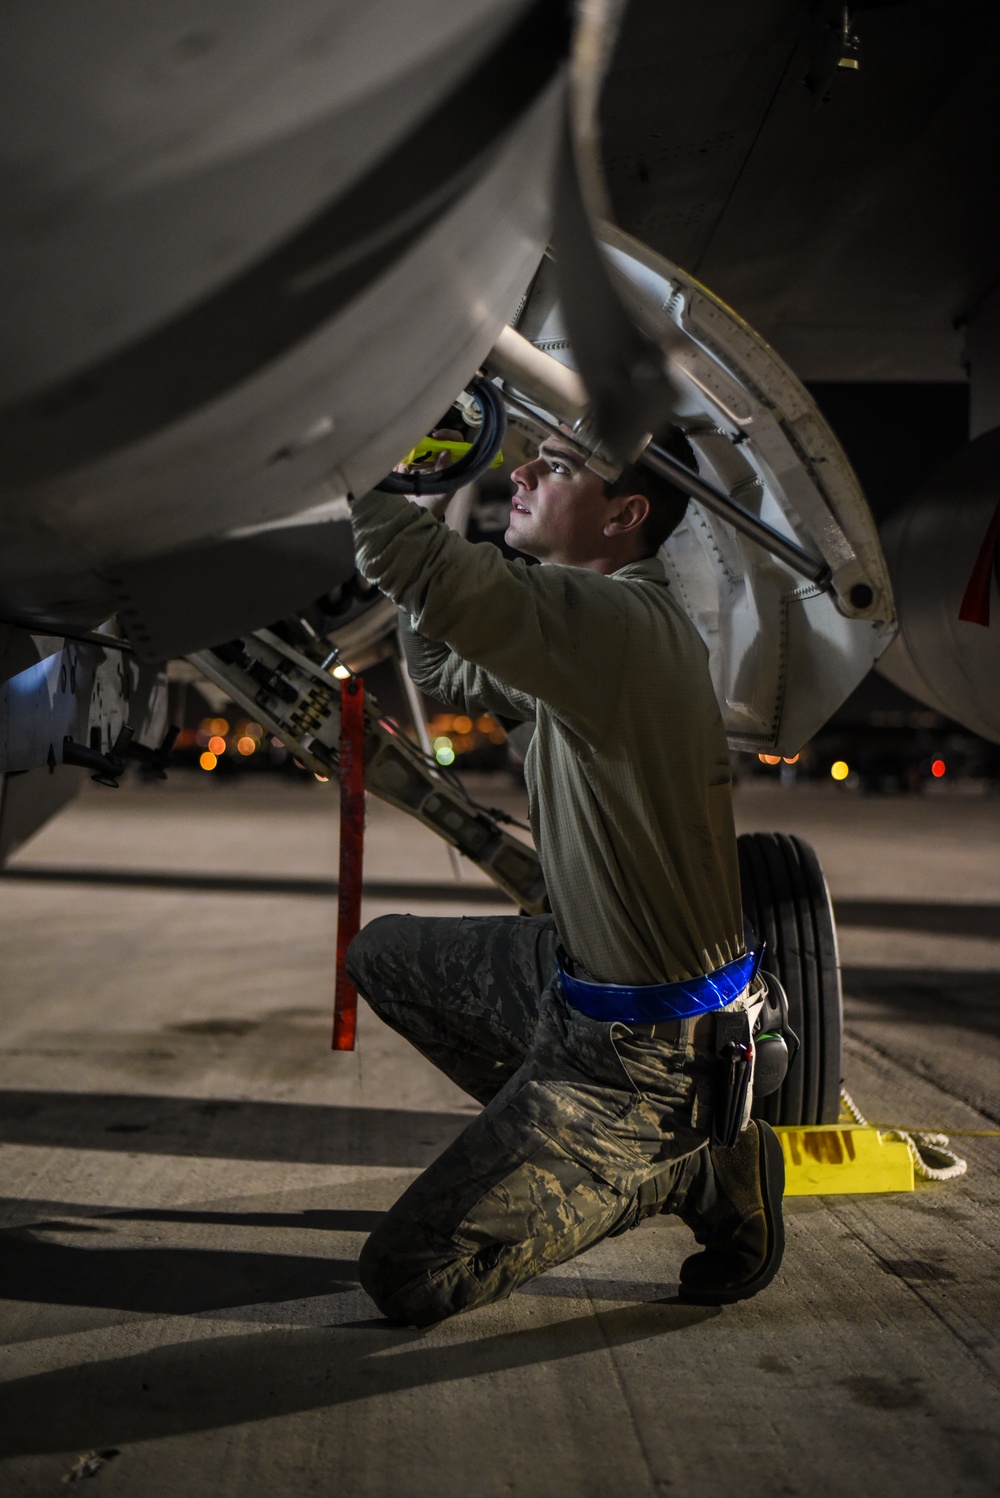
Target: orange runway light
x=217, y=745
x=208, y=760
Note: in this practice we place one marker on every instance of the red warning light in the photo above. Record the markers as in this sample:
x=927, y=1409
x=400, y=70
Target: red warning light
x=938, y=768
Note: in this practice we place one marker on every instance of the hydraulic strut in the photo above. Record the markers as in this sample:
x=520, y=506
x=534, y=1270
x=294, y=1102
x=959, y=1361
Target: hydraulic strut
x=297, y=700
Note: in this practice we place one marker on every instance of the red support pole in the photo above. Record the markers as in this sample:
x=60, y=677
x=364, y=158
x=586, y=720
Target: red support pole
x=352, y=842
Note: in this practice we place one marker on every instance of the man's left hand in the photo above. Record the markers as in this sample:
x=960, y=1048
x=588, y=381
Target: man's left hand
x=436, y=504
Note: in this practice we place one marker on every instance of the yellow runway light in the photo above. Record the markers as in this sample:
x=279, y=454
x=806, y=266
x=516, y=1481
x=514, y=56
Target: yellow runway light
x=843, y=1160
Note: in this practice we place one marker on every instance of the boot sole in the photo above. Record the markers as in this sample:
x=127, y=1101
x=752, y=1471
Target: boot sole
x=772, y=1180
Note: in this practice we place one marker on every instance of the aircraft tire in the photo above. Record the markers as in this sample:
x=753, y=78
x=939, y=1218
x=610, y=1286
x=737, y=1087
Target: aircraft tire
x=788, y=905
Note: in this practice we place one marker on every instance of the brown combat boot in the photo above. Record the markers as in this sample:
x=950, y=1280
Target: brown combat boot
x=734, y=1209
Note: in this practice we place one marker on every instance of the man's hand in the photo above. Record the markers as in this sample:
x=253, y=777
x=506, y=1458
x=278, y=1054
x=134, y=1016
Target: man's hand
x=435, y=504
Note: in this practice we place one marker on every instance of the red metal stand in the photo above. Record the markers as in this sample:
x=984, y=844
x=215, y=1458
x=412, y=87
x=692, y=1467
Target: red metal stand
x=352, y=842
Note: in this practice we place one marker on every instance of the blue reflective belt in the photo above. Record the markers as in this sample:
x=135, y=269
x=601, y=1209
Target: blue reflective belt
x=649, y=1002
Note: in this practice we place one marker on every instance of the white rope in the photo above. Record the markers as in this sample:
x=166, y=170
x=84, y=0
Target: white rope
x=925, y=1149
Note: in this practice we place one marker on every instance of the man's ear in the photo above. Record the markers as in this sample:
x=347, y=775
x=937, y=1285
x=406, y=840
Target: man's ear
x=628, y=515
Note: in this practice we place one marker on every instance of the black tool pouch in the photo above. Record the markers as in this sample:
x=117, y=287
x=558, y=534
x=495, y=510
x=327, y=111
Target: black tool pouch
x=733, y=1076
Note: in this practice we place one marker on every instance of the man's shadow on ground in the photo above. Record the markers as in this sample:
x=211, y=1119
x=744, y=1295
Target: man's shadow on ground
x=220, y=1381
x=158, y=1281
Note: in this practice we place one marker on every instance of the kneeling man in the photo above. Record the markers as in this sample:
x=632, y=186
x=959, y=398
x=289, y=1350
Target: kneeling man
x=597, y=1099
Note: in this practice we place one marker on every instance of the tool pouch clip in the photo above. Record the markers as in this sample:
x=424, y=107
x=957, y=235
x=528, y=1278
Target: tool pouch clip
x=734, y=1060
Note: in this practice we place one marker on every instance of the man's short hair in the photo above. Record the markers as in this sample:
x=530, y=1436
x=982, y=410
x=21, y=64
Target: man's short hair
x=667, y=502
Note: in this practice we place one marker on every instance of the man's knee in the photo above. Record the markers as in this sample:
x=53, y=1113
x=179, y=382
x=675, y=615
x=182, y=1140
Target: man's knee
x=410, y=1285
x=366, y=955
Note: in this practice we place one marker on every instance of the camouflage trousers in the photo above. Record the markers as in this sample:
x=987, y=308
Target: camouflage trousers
x=586, y=1126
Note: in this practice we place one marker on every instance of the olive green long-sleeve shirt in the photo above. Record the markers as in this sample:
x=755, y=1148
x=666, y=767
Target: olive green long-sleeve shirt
x=628, y=770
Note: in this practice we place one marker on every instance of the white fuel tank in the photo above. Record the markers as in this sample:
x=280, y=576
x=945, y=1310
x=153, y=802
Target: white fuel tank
x=250, y=252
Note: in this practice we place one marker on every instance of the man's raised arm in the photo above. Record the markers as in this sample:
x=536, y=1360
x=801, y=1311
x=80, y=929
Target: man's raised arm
x=524, y=630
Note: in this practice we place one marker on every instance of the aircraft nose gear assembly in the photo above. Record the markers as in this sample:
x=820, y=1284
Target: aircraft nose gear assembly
x=297, y=700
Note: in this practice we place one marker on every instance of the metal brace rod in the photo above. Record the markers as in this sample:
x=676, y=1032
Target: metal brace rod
x=751, y=526
x=416, y=707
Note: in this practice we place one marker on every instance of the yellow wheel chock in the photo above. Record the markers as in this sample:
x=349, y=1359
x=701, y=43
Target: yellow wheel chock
x=844, y=1159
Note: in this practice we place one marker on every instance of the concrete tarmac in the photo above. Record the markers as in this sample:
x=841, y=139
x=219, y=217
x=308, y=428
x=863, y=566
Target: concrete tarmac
x=188, y=1174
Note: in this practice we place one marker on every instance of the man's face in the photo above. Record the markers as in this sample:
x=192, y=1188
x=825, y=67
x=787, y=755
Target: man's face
x=559, y=508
